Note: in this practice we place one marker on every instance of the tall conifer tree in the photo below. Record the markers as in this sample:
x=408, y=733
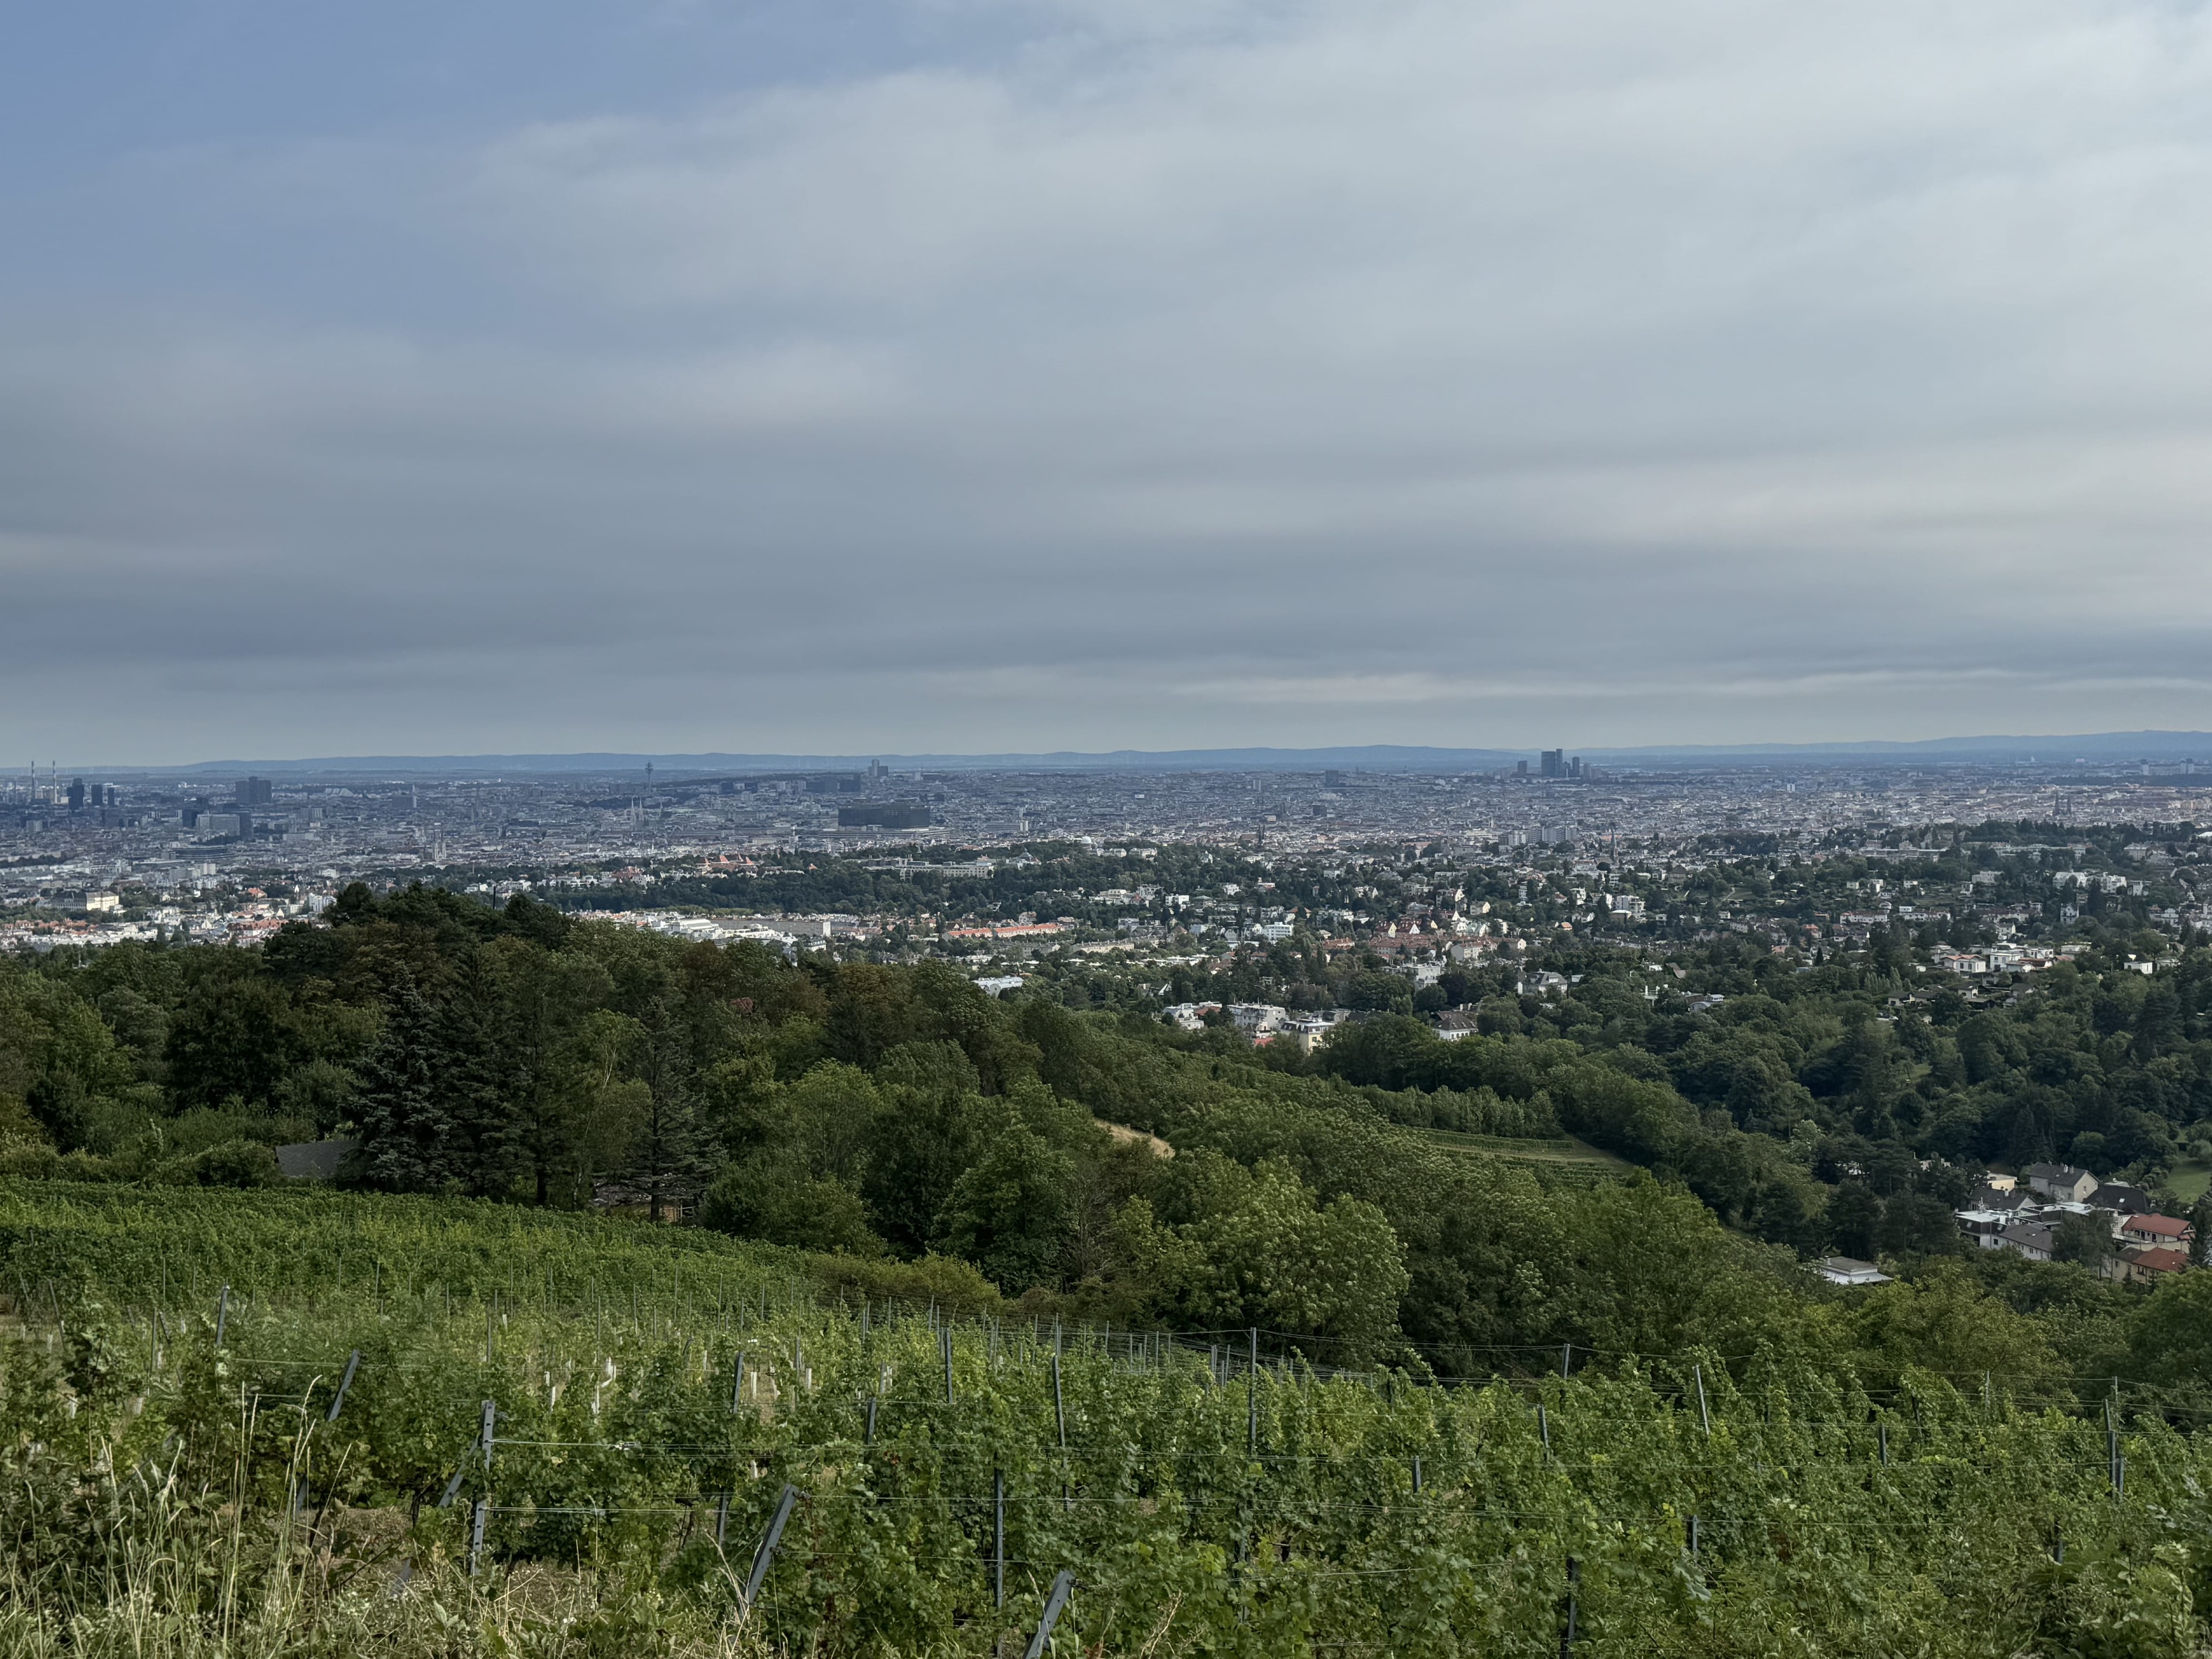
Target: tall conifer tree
x=405, y=1130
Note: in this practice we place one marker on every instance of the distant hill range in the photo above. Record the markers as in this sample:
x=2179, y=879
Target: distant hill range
x=2100, y=748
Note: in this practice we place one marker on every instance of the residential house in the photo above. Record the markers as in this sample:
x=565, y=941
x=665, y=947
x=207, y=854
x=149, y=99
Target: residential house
x=1456, y=1023
x=2031, y=1239
x=1984, y=1228
x=2061, y=1181
x=2149, y=1265
x=2156, y=1232
x=1257, y=1019
x=1993, y=1208
x=1309, y=1031
x=2122, y=1199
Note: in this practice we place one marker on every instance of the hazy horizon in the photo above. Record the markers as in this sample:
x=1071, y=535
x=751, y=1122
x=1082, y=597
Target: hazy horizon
x=2059, y=748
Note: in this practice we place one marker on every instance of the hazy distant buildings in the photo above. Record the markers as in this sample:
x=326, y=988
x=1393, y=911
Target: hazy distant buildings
x=884, y=815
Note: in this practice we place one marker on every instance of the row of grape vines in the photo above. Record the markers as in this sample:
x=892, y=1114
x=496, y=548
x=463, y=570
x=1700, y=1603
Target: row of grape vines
x=416, y=1384
x=944, y=1472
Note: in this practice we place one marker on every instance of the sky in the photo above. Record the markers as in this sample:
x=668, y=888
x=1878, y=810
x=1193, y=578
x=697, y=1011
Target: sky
x=975, y=375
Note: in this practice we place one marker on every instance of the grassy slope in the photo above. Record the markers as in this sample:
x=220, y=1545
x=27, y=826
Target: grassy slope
x=172, y=1247
x=1565, y=1156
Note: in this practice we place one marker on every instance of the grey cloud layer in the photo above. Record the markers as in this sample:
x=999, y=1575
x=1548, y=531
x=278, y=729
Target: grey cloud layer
x=1331, y=373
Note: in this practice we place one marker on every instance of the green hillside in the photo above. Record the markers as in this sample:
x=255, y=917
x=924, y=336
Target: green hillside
x=944, y=1469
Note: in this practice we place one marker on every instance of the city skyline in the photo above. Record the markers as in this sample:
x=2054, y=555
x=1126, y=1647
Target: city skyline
x=2150, y=747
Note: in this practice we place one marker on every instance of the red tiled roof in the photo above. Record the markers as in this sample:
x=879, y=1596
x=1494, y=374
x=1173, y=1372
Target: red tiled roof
x=2157, y=1259
x=2159, y=1226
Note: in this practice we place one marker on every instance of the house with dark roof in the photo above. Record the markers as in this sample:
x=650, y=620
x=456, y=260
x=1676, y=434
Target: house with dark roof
x=1982, y=1228
x=2029, y=1238
x=2061, y=1181
x=2123, y=1200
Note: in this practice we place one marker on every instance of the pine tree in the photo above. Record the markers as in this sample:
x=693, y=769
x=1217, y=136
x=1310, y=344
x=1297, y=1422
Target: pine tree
x=669, y=1153
x=482, y=1154
x=542, y=1010
x=403, y=1127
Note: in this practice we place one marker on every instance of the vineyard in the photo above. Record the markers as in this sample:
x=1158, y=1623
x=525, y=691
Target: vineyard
x=157, y=1248
x=1563, y=1161
x=456, y=1422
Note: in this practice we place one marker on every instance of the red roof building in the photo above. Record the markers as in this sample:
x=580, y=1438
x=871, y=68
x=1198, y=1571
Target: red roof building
x=2154, y=1263
x=2161, y=1231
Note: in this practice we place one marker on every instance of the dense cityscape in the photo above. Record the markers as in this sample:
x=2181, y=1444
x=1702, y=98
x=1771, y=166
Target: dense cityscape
x=135, y=850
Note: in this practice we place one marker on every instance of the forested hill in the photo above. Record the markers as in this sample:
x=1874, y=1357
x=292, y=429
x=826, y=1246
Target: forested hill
x=894, y=1111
